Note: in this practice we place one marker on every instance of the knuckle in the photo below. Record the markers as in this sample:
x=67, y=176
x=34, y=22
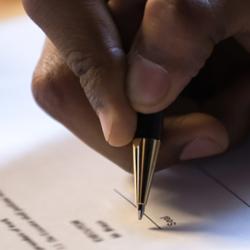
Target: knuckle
x=92, y=73
x=96, y=70
x=81, y=63
x=188, y=17
x=158, y=8
x=191, y=30
x=91, y=84
x=47, y=92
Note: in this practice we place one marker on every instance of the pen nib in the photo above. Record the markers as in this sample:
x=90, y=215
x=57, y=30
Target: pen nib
x=141, y=209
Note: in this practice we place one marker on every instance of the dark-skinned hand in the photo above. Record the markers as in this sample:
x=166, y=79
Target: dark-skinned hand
x=105, y=60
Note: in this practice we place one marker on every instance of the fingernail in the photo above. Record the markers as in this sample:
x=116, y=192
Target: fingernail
x=199, y=148
x=148, y=82
x=106, y=124
x=115, y=128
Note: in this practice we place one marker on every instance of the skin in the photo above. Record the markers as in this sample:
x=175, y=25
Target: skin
x=103, y=61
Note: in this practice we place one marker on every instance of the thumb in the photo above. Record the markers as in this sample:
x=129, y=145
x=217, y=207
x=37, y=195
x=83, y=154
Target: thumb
x=174, y=42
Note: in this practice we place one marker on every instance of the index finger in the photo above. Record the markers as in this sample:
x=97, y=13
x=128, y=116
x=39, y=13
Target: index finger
x=86, y=36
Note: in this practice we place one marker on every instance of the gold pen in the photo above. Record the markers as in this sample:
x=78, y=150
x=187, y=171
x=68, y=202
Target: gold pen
x=146, y=146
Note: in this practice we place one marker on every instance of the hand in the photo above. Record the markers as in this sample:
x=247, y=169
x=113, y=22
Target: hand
x=167, y=48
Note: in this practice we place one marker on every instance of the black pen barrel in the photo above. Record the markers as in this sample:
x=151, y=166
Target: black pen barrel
x=149, y=125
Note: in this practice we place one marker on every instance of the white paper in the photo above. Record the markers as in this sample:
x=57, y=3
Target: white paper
x=74, y=195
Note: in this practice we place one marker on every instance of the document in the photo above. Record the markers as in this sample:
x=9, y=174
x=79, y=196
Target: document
x=64, y=196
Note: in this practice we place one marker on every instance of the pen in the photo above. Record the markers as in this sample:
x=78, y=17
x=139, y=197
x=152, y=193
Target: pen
x=146, y=146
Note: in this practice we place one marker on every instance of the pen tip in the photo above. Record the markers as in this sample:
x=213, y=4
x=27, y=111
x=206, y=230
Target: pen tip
x=140, y=211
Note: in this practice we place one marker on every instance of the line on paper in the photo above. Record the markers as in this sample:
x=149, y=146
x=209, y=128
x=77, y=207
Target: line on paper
x=129, y=201
x=219, y=182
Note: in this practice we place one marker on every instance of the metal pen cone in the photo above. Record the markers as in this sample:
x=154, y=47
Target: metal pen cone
x=141, y=209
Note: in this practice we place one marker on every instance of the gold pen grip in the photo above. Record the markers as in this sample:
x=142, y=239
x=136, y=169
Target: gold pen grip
x=145, y=153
